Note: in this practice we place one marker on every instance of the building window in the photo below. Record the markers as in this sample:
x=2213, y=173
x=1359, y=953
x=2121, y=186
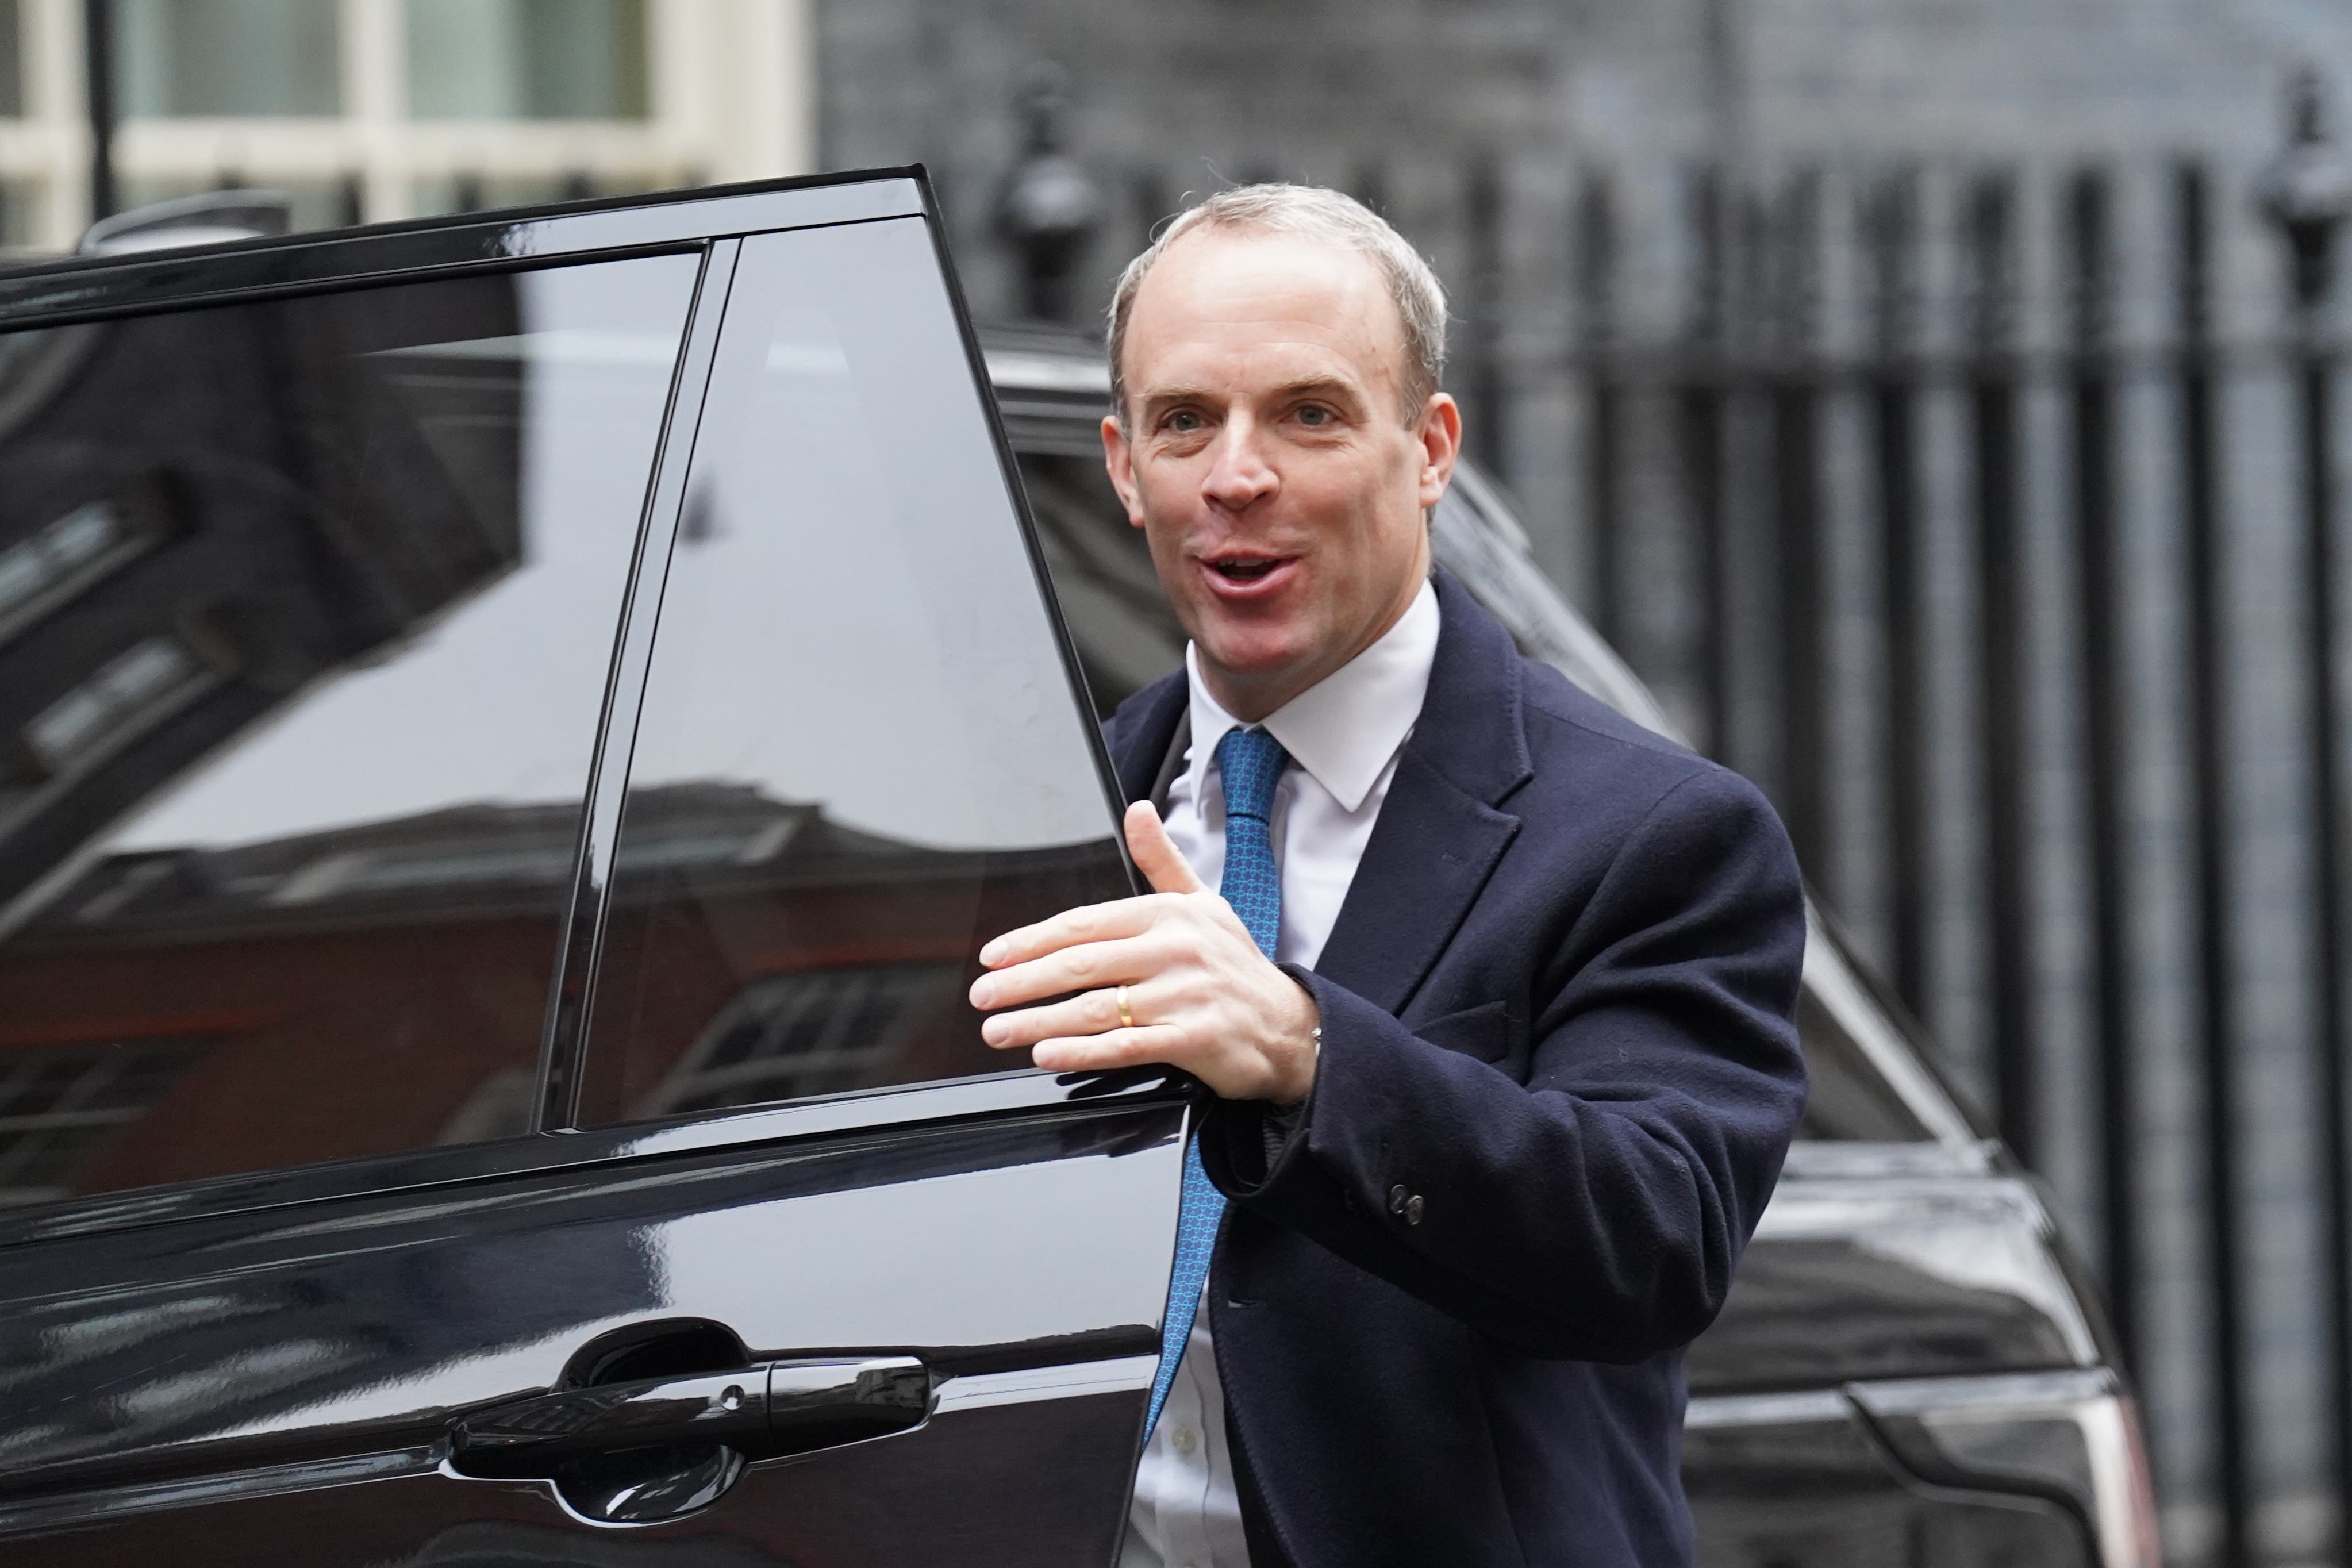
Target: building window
x=228, y=58
x=812, y=1031
x=527, y=60
x=60, y=1106
x=12, y=62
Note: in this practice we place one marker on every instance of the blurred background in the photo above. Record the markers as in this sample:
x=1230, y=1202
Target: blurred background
x=1936, y=400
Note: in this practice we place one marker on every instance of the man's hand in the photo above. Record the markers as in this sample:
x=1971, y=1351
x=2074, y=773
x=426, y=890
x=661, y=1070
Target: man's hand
x=1201, y=995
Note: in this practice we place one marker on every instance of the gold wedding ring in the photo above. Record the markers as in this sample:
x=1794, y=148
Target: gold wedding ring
x=1125, y=1018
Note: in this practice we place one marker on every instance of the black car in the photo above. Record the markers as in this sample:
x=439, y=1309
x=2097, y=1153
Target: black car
x=513, y=730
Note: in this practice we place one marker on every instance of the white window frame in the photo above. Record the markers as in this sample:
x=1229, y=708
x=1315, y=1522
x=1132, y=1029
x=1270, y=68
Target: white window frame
x=732, y=96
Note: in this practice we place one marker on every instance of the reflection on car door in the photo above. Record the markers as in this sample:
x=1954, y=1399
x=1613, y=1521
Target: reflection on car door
x=513, y=799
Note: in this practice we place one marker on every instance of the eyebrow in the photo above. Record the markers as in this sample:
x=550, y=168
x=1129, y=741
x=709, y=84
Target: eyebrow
x=1324, y=385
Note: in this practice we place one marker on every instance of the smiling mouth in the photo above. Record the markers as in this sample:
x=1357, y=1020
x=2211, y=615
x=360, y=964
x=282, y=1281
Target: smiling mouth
x=1243, y=568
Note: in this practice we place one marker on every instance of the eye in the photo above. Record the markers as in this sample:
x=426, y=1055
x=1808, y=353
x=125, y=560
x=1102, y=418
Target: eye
x=1314, y=414
x=1183, y=421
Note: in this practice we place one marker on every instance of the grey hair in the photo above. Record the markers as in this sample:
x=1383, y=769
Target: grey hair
x=1311, y=212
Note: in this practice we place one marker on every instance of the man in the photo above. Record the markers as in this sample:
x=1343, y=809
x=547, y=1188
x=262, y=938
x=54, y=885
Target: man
x=1493, y=1008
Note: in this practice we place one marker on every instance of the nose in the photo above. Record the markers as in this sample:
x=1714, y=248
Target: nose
x=1241, y=474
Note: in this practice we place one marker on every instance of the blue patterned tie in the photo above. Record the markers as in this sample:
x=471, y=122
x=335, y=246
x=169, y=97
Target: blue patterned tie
x=1250, y=763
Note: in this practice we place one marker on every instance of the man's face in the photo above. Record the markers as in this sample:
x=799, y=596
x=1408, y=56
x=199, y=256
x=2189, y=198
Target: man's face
x=1267, y=457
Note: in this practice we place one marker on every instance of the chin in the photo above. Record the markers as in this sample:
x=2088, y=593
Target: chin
x=1253, y=653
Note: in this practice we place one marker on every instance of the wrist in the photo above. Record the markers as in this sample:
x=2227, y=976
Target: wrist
x=1300, y=1053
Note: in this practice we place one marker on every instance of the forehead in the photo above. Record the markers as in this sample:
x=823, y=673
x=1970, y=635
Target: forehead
x=1225, y=303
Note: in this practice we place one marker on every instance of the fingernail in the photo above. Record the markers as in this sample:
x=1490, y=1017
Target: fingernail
x=992, y=953
x=982, y=993
x=994, y=1031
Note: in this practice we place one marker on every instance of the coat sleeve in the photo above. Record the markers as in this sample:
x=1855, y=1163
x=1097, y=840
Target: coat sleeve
x=1597, y=1210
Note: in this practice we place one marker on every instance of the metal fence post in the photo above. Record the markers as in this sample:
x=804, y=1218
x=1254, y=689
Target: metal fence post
x=1892, y=224
x=2207, y=697
x=1993, y=400
x=1797, y=493
x=2307, y=194
x=98, y=62
x=1596, y=266
x=2092, y=400
x=1701, y=433
x=1483, y=379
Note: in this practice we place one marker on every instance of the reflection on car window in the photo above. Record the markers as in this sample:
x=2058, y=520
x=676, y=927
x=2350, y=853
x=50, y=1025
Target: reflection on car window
x=1125, y=635
x=305, y=614
x=860, y=754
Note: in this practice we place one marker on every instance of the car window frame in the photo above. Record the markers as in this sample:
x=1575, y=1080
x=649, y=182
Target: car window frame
x=712, y=223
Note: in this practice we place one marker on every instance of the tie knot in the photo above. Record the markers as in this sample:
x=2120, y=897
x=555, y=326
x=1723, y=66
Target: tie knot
x=1250, y=763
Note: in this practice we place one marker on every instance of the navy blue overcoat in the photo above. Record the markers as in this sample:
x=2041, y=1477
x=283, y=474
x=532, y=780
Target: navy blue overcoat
x=1559, y=1073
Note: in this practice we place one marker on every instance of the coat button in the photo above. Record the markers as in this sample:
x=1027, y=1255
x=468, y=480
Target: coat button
x=1405, y=1205
x=1397, y=1195
x=1412, y=1209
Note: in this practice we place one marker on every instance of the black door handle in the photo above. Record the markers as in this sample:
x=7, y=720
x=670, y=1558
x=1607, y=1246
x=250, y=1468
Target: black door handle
x=653, y=1449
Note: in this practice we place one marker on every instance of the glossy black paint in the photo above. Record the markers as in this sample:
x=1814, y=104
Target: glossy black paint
x=261, y=1351
x=1896, y=1277
x=1806, y=1479
x=64, y=291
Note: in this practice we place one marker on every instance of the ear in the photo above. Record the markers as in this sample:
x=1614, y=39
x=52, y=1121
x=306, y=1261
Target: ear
x=1119, y=460
x=1439, y=433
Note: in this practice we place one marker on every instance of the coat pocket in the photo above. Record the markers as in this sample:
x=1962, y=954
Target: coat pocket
x=1483, y=1031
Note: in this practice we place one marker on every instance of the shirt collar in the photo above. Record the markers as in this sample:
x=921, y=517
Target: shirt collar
x=1343, y=729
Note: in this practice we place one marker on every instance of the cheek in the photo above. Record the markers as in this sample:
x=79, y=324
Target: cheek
x=1166, y=489
x=1163, y=537
x=1352, y=506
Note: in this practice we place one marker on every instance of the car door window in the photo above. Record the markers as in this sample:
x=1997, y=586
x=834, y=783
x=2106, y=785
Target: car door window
x=306, y=612
x=861, y=754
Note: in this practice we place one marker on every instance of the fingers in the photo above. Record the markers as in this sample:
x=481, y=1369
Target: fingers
x=1090, y=923
x=1078, y=968
x=1099, y=1053
x=1155, y=854
x=1095, y=1013
x=1094, y=923
x=1082, y=1035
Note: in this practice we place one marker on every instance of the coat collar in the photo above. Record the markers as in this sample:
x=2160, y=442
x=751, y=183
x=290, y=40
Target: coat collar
x=1473, y=726
x=1441, y=831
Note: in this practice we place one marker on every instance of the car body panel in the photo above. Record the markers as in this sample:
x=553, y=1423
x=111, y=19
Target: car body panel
x=250, y=1355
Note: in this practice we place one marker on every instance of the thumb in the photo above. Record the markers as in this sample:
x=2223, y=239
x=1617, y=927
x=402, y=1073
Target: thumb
x=1155, y=854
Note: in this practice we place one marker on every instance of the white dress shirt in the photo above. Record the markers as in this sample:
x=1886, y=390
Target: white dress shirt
x=1343, y=735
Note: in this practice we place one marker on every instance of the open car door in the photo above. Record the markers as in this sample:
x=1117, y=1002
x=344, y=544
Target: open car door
x=512, y=731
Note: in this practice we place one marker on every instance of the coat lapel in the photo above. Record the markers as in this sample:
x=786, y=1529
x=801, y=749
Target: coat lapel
x=1140, y=733
x=1441, y=830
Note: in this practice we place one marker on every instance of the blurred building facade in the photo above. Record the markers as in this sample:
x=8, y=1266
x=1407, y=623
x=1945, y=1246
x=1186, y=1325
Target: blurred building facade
x=1921, y=396
x=370, y=110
